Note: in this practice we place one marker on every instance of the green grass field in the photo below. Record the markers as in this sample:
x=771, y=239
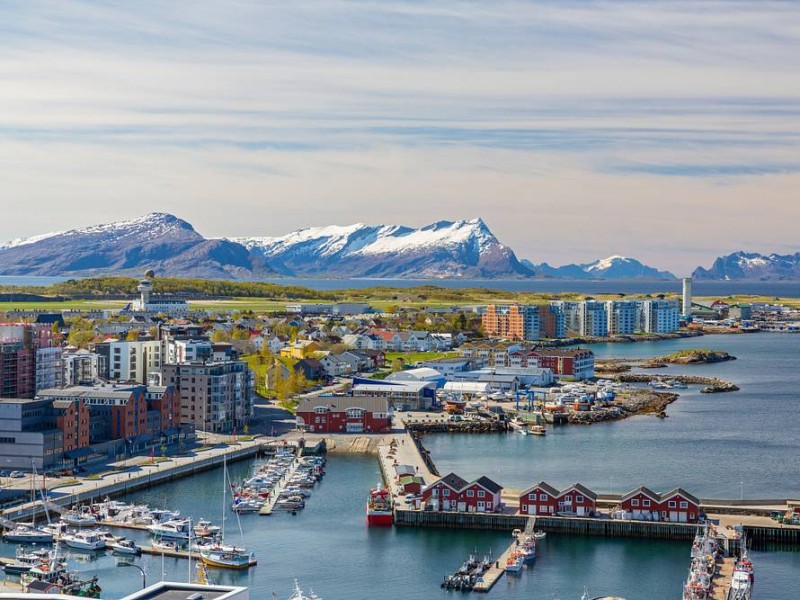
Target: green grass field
x=412, y=357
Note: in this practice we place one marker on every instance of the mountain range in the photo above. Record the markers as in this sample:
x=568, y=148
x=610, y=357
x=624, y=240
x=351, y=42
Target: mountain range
x=446, y=249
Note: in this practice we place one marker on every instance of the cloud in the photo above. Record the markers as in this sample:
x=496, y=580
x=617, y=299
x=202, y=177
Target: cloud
x=581, y=115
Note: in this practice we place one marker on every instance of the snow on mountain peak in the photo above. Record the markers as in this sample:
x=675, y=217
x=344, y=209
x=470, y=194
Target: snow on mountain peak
x=606, y=263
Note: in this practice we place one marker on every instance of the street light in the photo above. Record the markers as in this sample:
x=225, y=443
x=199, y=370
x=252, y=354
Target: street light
x=741, y=490
x=125, y=563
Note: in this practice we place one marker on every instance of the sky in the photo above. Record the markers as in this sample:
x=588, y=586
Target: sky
x=665, y=131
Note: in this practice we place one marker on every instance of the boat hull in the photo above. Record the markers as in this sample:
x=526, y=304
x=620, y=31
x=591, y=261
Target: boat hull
x=29, y=539
x=379, y=519
x=221, y=563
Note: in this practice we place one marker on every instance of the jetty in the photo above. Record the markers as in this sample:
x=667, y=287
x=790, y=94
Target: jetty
x=269, y=505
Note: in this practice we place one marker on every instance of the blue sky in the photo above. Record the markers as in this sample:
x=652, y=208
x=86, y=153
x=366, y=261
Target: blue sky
x=665, y=131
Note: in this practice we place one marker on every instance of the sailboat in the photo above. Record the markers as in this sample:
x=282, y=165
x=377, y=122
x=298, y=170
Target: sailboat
x=220, y=555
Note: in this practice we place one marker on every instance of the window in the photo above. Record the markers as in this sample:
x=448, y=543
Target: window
x=470, y=493
x=481, y=493
x=672, y=504
x=635, y=502
x=445, y=493
x=664, y=514
x=568, y=498
x=578, y=498
x=684, y=504
x=532, y=497
x=543, y=497
x=645, y=502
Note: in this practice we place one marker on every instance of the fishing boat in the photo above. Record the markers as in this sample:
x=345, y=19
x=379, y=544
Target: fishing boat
x=227, y=557
x=527, y=549
x=24, y=534
x=299, y=595
x=514, y=563
x=741, y=586
x=379, y=507
x=124, y=546
x=84, y=540
x=537, y=430
x=25, y=560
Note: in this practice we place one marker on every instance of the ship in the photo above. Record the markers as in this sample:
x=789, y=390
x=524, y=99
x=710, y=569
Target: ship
x=379, y=507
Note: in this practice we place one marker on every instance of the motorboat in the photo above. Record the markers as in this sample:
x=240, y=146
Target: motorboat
x=24, y=534
x=162, y=516
x=159, y=544
x=81, y=517
x=514, y=563
x=678, y=385
x=25, y=560
x=247, y=505
x=206, y=528
x=84, y=540
x=741, y=586
x=527, y=549
x=175, y=529
x=124, y=546
x=379, y=507
x=537, y=430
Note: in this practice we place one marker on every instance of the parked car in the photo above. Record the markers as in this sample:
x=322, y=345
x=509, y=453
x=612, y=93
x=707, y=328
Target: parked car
x=5, y=473
x=17, y=474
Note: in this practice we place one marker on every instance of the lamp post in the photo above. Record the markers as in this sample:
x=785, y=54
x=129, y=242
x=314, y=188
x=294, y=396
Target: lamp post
x=741, y=490
x=124, y=563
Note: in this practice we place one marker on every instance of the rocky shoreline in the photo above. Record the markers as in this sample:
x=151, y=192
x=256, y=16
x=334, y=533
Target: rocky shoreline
x=712, y=384
x=641, y=402
x=622, y=339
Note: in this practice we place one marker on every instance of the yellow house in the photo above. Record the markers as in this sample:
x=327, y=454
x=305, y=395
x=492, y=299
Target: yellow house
x=300, y=349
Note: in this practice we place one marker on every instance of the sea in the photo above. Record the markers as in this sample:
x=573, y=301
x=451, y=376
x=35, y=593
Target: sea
x=775, y=289
x=726, y=445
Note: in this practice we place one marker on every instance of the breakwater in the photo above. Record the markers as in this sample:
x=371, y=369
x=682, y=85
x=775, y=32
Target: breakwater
x=467, y=426
x=712, y=384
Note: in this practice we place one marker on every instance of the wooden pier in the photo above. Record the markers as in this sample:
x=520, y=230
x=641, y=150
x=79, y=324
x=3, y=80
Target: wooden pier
x=274, y=496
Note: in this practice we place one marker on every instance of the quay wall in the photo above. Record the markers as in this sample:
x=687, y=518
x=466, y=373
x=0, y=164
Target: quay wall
x=461, y=520
x=773, y=538
x=139, y=481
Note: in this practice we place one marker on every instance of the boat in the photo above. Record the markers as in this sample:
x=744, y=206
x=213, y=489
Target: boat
x=379, y=507
x=80, y=517
x=299, y=595
x=26, y=560
x=206, y=528
x=527, y=549
x=24, y=534
x=178, y=529
x=741, y=586
x=84, y=540
x=168, y=545
x=220, y=555
x=538, y=535
x=537, y=430
x=514, y=563
x=124, y=546
x=227, y=557
x=54, y=573
x=678, y=385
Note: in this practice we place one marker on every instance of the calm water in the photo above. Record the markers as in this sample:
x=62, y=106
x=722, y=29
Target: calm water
x=715, y=445
x=623, y=286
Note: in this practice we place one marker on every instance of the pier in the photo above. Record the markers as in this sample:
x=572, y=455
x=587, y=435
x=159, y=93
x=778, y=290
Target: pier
x=276, y=492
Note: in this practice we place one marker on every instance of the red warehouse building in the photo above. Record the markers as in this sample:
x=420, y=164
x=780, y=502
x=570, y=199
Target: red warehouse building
x=454, y=493
x=344, y=414
x=679, y=506
x=443, y=493
x=642, y=503
x=577, y=500
x=539, y=499
x=577, y=363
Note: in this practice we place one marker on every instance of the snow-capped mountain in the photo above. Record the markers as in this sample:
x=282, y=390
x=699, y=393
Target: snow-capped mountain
x=157, y=241
x=442, y=249
x=752, y=265
x=613, y=267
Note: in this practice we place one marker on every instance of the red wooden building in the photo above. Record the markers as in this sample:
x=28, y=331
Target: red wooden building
x=679, y=506
x=578, y=500
x=454, y=493
x=539, y=499
x=344, y=414
x=642, y=503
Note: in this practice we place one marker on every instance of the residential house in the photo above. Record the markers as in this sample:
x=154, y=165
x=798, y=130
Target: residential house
x=539, y=499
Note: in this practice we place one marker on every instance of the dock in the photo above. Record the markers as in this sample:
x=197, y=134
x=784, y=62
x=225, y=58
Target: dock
x=495, y=572
x=269, y=505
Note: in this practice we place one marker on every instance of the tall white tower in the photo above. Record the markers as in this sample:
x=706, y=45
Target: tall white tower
x=145, y=287
x=687, y=297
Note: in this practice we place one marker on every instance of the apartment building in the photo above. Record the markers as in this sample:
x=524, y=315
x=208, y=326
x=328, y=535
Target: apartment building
x=128, y=361
x=29, y=359
x=523, y=322
x=622, y=317
x=660, y=316
x=592, y=318
x=216, y=396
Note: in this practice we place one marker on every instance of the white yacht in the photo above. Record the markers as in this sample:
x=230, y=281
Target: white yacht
x=84, y=540
x=178, y=529
x=24, y=534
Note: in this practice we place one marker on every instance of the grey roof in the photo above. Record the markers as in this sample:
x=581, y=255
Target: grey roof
x=488, y=484
x=680, y=491
x=340, y=403
x=453, y=481
x=581, y=489
x=544, y=486
x=643, y=490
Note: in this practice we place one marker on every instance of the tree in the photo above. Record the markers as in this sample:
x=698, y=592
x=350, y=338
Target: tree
x=132, y=336
x=398, y=364
x=80, y=338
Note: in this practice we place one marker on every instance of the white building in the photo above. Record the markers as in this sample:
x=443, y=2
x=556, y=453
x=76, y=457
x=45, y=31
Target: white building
x=128, y=360
x=622, y=317
x=593, y=318
x=660, y=316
